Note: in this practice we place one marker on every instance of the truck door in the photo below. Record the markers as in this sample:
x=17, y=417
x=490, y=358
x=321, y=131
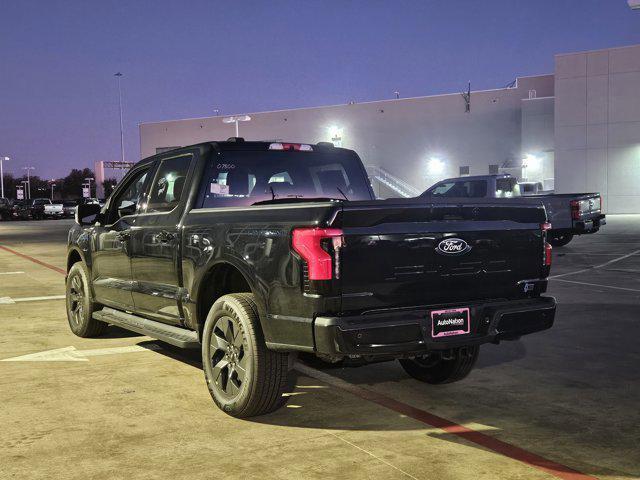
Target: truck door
x=111, y=267
x=155, y=241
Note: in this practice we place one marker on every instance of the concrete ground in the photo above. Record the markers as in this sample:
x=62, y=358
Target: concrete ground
x=559, y=404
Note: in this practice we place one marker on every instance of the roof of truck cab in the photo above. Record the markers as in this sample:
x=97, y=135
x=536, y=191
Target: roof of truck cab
x=244, y=145
x=477, y=177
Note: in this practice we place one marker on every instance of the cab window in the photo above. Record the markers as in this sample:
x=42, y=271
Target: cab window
x=466, y=189
x=168, y=186
x=507, y=188
x=126, y=201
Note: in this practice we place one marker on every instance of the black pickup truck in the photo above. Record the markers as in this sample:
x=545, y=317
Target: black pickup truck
x=569, y=214
x=253, y=252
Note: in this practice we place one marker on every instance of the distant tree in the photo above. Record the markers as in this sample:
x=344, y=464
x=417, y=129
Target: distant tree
x=9, y=183
x=109, y=184
x=72, y=184
x=39, y=188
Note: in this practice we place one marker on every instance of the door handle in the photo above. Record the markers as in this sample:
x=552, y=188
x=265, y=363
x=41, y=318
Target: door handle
x=165, y=237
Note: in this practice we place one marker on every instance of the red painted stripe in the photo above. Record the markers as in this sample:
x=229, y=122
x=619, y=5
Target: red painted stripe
x=486, y=441
x=34, y=260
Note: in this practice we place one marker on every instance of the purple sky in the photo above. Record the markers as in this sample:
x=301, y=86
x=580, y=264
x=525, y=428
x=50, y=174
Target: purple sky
x=58, y=96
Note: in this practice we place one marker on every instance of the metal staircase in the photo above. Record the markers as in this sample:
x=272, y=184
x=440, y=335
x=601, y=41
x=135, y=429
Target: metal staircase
x=392, y=182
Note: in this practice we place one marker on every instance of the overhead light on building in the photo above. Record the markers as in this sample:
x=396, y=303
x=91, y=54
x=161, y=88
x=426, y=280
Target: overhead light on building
x=435, y=166
x=335, y=134
x=531, y=161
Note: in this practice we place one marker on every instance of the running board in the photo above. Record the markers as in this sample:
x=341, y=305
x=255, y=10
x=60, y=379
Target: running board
x=180, y=337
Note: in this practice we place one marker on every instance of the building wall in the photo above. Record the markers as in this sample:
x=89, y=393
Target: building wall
x=399, y=135
x=538, y=139
x=597, y=125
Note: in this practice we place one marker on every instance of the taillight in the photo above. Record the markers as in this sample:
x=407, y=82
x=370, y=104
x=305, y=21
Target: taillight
x=575, y=209
x=547, y=254
x=309, y=243
x=298, y=147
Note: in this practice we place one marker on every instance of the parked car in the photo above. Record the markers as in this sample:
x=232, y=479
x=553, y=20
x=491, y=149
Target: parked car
x=5, y=209
x=41, y=208
x=253, y=252
x=569, y=213
x=20, y=210
x=69, y=208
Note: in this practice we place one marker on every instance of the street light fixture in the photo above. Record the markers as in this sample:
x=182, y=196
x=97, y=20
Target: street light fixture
x=119, y=76
x=236, y=119
x=2, y=159
x=28, y=169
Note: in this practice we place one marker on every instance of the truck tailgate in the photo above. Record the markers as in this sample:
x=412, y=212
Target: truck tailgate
x=402, y=253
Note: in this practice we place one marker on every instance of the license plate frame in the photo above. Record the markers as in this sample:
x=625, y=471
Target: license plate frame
x=454, y=317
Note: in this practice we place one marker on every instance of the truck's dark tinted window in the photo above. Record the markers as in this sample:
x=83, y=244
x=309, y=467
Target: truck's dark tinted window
x=244, y=178
x=168, y=185
x=468, y=189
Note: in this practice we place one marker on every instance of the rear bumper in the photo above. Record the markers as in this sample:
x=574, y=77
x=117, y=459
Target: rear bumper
x=402, y=332
x=589, y=225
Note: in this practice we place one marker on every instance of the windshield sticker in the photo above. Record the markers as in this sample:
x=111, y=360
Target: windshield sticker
x=219, y=189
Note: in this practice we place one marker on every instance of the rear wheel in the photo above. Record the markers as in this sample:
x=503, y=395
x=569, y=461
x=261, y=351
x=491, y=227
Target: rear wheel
x=437, y=368
x=244, y=377
x=80, y=304
x=560, y=239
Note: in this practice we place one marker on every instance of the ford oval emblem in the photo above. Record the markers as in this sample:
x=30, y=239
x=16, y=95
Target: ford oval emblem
x=452, y=246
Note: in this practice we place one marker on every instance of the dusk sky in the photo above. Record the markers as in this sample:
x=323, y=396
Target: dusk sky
x=58, y=95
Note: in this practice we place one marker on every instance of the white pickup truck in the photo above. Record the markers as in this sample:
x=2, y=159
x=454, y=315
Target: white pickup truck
x=569, y=213
x=44, y=208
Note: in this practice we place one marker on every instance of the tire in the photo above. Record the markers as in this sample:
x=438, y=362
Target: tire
x=560, y=239
x=80, y=304
x=244, y=377
x=437, y=370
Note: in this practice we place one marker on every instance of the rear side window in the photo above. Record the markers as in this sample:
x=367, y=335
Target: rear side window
x=468, y=189
x=169, y=184
x=244, y=178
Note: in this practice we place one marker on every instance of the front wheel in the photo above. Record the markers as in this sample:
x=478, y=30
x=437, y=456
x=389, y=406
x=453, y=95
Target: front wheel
x=244, y=377
x=80, y=304
x=560, y=239
x=436, y=368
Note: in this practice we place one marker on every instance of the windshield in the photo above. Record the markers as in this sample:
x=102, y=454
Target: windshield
x=243, y=178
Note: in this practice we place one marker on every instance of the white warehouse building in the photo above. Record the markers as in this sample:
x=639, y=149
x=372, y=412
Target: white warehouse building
x=577, y=130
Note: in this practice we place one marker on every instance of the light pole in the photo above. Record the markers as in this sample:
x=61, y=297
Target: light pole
x=236, y=119
x=28, y=169
x=89, y=180
x=119, y=76
x=2, y=159
x=52, y=185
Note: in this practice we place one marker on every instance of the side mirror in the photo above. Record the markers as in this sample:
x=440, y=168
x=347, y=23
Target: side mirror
x=126, y=208
x=87, y=214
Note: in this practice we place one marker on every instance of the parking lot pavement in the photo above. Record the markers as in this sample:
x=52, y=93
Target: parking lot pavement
x=126, y=406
